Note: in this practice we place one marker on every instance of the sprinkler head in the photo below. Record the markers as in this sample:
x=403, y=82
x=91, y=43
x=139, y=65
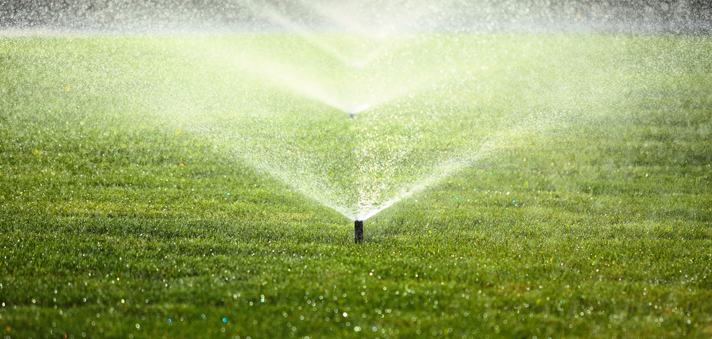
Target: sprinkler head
x=358, y=231
x=351, y=115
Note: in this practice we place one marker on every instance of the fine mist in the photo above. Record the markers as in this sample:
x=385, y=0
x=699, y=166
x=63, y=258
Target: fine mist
x=359, y=105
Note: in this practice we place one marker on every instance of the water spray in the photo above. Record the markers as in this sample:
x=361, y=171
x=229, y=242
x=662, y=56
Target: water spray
x=358, y=231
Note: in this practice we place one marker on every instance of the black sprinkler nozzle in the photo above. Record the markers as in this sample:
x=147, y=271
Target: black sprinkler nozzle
x=351, y=115
x=358, y=231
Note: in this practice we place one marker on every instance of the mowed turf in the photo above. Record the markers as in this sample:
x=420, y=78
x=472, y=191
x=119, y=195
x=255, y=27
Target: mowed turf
x=119, y=220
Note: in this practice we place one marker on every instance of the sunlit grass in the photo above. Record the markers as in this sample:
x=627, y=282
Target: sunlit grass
x=122, y=204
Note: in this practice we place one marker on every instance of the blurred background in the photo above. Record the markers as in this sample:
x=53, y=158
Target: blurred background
x=653, y=16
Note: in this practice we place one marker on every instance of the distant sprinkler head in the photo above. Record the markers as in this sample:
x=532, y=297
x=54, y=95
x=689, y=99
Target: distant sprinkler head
x=351, y=115
x=358, y=231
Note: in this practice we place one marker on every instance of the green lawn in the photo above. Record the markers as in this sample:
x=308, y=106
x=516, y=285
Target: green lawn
x=178, y=186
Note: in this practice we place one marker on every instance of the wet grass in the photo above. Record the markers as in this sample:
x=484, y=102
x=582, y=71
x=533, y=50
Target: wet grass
x=602, y=227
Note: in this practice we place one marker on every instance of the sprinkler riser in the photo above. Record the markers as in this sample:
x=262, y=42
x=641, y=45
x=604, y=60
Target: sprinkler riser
x=358, y=231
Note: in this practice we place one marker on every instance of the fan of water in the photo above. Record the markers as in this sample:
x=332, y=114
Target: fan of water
x=422, y=106
x=355, y=104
